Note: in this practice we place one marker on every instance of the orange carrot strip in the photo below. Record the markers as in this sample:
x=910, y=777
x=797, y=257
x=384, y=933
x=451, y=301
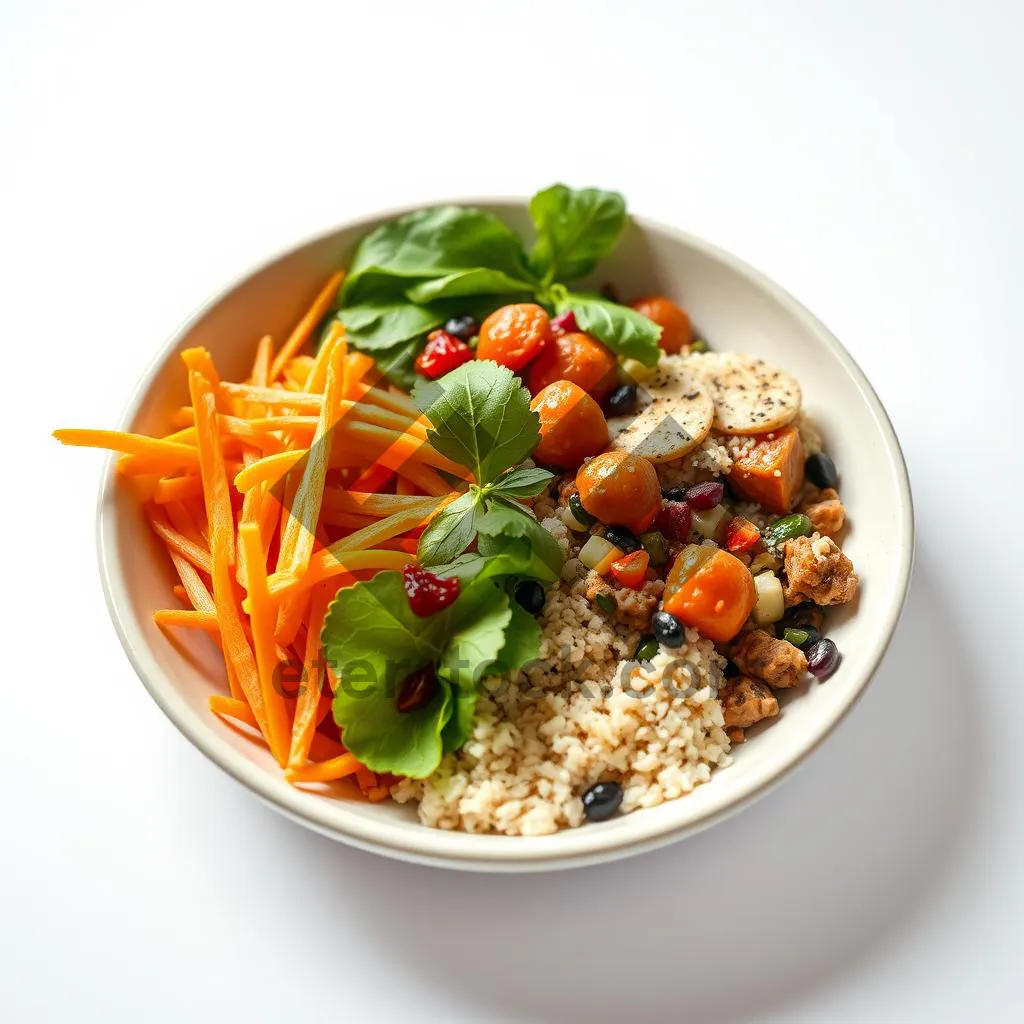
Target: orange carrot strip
x=367, y=780
x=177, y=542
x=240, y=663
x=346, y=519
x=180, y=593
x=177, y=488
x=308, y=705
x=154, y=450
x=261, y=618
x=305, y=327
x=318, y=373
x=324, y=771
x=268, y=470
x=298, y=533
x=188, y=618
x=233, y=708
x=181, y=519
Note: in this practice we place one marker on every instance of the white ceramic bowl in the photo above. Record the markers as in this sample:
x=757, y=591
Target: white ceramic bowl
x=735, y=307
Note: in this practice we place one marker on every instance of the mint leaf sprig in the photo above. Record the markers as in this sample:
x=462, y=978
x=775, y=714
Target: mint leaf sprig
x=481, y=418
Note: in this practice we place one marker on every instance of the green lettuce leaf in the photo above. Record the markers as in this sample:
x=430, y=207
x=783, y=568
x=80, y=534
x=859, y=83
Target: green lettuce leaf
x=624, y=330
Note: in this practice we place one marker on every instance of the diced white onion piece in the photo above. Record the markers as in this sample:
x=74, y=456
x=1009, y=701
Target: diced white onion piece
x=771, y=604
x=571, y=521
x=709, y=524
x=599, y=553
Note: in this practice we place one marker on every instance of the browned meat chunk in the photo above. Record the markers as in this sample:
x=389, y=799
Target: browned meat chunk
x=825, y=511
x=763, y=656
x=736, y=736
x=746, y=701
x=818, y=571
x=634, y=607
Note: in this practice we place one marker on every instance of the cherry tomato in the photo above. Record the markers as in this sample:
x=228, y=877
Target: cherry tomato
x=513, y=335
x=577, y=357
x=714, y=597
x=572, y=426
x=676, y=329
x=630, y=570
x=620, y=489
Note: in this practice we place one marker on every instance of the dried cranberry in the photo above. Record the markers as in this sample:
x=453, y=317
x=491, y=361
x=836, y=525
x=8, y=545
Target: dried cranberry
x=427, y=593
x=443, y=353
x=565, y=323
x=701, y=497
x=417, y=690
x=675, y=520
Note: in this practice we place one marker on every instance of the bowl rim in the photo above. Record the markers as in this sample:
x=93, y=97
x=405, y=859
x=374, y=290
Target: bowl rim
x=439, y=847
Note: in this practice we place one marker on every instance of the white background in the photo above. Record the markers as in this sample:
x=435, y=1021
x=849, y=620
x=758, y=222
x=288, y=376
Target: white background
x=867, y=156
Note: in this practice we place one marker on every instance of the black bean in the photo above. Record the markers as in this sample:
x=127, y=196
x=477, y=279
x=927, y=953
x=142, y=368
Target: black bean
x=530, y=594
x=579, y=513
x=602, y=800
x=667, y=629
x=822, y=659
x=622, y=400
x=463, y=327
x=821, y=470
x=623, y=539
x=675, y=494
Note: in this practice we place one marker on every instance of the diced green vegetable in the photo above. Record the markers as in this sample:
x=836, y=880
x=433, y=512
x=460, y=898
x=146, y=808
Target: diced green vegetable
x=787, y=528
x=796, y=637
x=605, y=602
x=634, y=372
x=699, y=345
x=656, y=546
x=579, y=513
x=599, y=553
x=647, y=649
x=710, y=524
x=771, y=604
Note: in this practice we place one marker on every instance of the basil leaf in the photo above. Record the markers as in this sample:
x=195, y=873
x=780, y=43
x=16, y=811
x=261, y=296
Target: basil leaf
x=479, y=281
x=450, y=531
x=523, y=482
x=398, y=363
x=373, y=641
x=477, y=635
x=505, y=519
x=371, y=326
x=481, y=418
x=386, y=739
x=575, y=229
x=522, y=641
x=434, y=243
x=498, y=557
x=624, y=330
x=459, y=727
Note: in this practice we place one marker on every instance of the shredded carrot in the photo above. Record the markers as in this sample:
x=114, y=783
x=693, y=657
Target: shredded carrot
x=241, y=664
x=261, y=617
x=318, y=372
x=177, y=488
x=234, y=708
x=176, y=541
x=298, y=534
x=305, y=327
x=188, y=618
x=309, y=702
x=168, y=455
x=325, y=771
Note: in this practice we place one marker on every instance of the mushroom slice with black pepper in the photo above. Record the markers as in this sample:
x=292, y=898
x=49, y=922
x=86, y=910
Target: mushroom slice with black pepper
x=750, y=396
x=674, y=414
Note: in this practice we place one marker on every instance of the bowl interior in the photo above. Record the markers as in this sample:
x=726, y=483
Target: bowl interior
x=734, y=308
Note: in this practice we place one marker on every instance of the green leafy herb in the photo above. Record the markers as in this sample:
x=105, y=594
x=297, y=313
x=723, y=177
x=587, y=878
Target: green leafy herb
x=373, y=642
x=622, y=329
x=481, y=418
x=409, y=275
x=450, y=531
x=575, y=229
x=524, y=482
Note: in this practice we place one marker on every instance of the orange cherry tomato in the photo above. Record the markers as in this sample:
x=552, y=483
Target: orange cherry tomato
x=572, y=426
x=577, y=357
x=513, y=335
x=715, y=598
x=620, y=489
x=676, y=329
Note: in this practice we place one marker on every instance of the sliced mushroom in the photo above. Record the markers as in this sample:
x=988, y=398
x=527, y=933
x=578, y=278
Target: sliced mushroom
x=750, y=396
x=674, y=415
